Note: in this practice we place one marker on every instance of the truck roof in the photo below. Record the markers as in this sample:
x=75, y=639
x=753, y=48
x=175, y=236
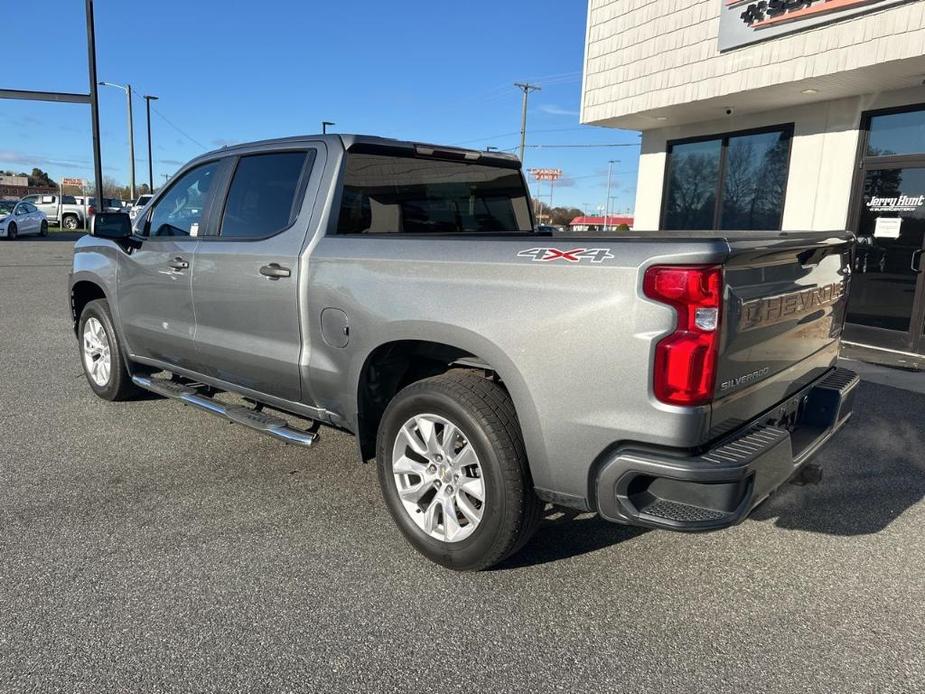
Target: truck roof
x=374, y=143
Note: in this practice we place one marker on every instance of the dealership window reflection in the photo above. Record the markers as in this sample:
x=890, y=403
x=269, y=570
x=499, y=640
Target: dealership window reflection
x=746, y=172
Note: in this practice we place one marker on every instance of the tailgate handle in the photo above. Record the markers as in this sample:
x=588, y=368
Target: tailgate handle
x=912, y=264
x=812, y=256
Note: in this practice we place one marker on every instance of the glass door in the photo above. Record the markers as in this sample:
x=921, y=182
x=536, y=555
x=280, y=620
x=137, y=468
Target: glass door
x=886, y=305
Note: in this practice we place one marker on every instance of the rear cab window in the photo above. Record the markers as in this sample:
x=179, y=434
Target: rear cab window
x=386, y=193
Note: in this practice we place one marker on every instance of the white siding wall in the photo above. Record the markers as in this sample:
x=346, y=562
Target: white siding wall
x=649, y=54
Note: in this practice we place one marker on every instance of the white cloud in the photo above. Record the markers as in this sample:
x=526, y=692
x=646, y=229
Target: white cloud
x=554, y=110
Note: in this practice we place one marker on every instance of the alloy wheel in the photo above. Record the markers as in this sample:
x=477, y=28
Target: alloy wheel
x=97, y=359
x=438, y=477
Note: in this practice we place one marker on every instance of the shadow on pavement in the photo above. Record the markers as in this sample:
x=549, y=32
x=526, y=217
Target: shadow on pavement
x=567, y=534
x=56, y=236
x=873, y=470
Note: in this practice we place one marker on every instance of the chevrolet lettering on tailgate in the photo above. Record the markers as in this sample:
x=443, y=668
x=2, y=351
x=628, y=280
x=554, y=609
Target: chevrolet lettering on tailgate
x=775, y=309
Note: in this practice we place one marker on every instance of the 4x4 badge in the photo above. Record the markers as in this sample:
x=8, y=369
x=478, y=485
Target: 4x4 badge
x=574, y=255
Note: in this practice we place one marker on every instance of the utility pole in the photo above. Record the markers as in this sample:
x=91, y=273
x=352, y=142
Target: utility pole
x=127, y=88
x=148, y=100
x=526, y=88
x=607, y=205
x=324, y=126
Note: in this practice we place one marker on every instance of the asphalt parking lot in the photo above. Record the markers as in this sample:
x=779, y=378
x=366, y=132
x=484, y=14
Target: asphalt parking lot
x=147, y=546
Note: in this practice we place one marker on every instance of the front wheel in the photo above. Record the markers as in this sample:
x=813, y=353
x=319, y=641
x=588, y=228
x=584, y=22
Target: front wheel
x=101, y=355
x=454, y=472
x=11, y=231
x=43, y=229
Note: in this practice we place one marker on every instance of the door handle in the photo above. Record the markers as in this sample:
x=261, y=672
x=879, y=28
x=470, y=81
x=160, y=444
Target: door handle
x=912, y=266
x=274, y=271
x=178, y=263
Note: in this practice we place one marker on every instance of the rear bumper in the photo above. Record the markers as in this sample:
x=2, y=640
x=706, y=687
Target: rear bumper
x=721, y=486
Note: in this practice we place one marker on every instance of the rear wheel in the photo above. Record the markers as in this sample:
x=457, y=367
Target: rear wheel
x=70, y=222
x=11, y=231
x=454, y=472
x=101, y=355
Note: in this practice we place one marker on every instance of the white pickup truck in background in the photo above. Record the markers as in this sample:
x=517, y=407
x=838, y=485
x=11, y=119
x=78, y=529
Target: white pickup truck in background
x=61, y=210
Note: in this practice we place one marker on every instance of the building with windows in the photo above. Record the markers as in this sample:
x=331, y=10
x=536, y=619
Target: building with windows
x=15, y=187
x=778, y=114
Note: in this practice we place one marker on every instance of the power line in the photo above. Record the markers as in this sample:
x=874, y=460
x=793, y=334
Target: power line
x=186, y=135
x=623, y=144
x=585, y=128
x=177, y=128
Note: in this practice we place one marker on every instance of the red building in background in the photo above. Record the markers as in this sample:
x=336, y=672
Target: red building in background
x=598, y=223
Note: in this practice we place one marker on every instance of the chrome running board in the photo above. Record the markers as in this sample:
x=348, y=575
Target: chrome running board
x=277, y=427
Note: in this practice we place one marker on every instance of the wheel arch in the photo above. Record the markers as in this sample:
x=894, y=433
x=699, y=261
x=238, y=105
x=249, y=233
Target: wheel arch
x=83, y=291
x=395, y=363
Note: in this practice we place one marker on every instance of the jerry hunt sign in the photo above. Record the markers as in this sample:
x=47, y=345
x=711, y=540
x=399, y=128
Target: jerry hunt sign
x=746, y=21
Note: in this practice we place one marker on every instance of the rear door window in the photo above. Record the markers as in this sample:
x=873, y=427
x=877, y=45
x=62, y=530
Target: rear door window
x=263, y=196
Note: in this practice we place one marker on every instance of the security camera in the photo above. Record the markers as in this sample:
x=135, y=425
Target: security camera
x=729, y=111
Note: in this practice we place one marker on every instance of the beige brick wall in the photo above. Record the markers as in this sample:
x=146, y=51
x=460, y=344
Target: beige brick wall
x=642, y=55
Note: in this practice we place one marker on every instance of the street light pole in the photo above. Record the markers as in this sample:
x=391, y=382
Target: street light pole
x=94, y=101
x=526, y=88
x=127, y=88
x=148, y=100
x=607, y=205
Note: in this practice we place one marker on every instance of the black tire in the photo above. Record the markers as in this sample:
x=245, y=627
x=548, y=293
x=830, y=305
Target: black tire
x=119, y=385
x=484, y=413
x=11, y=231
x=70, y=222
x=43, y=230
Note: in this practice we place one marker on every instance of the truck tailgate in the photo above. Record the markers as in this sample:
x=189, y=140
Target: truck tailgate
x=784, y=309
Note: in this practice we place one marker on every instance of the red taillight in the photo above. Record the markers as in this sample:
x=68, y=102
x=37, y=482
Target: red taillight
x=91, y=211
x=685, y=361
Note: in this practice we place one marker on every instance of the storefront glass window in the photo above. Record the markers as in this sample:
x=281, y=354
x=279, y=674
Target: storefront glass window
x=897, y=133
x=693, y=180
x=755, y=181
x=747, y=171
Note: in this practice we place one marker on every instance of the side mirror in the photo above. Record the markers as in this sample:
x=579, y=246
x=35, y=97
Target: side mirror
x=111, y=225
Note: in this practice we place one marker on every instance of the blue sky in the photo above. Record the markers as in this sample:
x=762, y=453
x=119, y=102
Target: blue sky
x=231, y=72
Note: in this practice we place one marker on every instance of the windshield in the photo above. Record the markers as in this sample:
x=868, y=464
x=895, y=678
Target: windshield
x=415, y=195
x=143, y=200
x=6, y=207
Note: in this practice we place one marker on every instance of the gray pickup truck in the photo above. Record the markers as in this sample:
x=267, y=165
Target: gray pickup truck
x=399, y=291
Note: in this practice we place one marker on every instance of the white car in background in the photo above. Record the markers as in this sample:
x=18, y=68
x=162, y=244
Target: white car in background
x=19, y=218
x=137, y=206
